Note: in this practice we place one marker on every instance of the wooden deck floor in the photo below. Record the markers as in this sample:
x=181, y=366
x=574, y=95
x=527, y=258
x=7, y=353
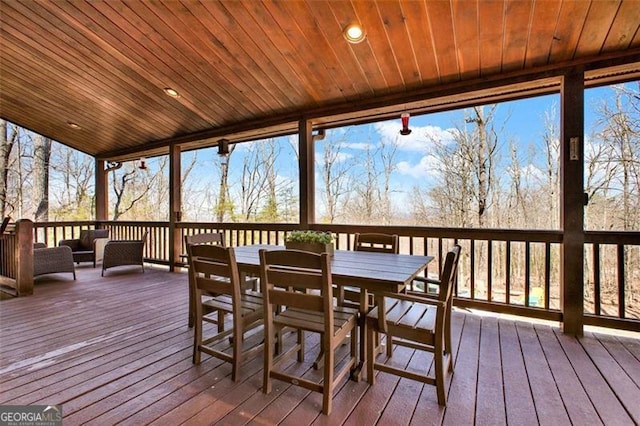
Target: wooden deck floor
x=118, y=350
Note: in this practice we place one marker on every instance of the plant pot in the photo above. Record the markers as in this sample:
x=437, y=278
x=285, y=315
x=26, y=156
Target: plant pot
x=312, y=247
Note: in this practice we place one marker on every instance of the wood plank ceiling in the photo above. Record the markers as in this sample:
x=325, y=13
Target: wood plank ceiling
x=252, y=68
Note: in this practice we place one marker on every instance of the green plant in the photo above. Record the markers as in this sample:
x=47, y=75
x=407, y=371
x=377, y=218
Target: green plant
x=309, y=237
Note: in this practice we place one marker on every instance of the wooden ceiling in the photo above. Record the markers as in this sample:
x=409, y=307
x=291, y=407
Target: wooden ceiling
x=254, y=68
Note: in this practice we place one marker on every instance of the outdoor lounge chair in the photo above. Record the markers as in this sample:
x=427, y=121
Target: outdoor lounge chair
x=124, y=252
x=51, y=260
x=89, y=247
x=419, y=321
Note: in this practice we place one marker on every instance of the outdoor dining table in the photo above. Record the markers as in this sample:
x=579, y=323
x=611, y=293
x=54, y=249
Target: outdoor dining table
x=369, y=271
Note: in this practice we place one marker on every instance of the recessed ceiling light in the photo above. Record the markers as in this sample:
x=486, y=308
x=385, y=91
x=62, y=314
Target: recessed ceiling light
x=354, y=33
x=171, y=92
x=73, y=125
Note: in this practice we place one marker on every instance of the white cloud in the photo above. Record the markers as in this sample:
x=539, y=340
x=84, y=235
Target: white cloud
x=356, y=145
x=420, y=140
x=426, y=168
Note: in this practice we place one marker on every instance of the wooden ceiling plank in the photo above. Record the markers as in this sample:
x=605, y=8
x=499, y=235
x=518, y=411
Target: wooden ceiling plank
x=265, y=59
x=340, y=48
x=272, y=85
x=543, y=26
x=324, y=41
x=440, y=21
x=190, y=40
x=466, y=27
x=362, y=52
x=397, y=34
x=419, y=35
x=491, y=35
x=127, y=50
x=311, y=54
x=381, y=48
x=597, y=24
x=623, y=29
x=568, y=30
x=148, y=48
x=119, y=65
x=514, y=48
x=28, y=113
x=60, y=110
x=84, y=83
x=272, y=35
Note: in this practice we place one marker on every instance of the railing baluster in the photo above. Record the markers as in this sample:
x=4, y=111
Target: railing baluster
x=489, y=269
x=547, y=274
x=507, y=274
x=596, y=278
x=621, y=280
x=527, y=272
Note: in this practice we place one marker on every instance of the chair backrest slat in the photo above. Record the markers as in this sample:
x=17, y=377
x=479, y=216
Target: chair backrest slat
x=209, y=263
x=449, y=273
x=372, y=242
x=286, y=272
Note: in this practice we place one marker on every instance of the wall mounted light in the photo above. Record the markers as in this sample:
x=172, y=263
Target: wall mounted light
x=74, y=126
x=354, y=33
x=223, y=147
x=405, y=124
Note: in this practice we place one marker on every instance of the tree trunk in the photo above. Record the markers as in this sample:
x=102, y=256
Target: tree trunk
x=41, y=157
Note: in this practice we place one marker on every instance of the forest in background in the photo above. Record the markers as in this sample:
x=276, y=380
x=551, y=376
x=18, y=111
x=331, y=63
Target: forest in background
x=478, y=175
x=475, y=174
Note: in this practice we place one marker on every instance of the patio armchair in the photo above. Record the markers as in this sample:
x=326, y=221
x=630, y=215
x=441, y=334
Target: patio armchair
x=51, y=260
x=89, y=247
x=123, y=253
x=215, y=272
x=297, y=290
x=216, y=239
x=418, y=321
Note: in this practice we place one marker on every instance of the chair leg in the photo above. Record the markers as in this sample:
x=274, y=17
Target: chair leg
x=269, y=346
x=197, y=335
x=237, y=349
x=327, y=385
x=440, y=373
x=389, y=345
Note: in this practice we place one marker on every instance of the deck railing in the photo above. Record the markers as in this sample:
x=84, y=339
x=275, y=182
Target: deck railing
x=507, y=271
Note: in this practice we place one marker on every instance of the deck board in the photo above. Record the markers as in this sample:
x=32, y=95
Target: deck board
x=118, y=350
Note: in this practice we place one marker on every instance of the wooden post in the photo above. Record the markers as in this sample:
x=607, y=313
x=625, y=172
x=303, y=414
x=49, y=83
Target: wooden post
x=572, y=210
x=175, y=205
x=306, y=163
x=102, y=191
x=24, y=257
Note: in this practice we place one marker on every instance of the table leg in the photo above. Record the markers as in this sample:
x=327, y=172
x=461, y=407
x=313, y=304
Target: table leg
x=362, y=363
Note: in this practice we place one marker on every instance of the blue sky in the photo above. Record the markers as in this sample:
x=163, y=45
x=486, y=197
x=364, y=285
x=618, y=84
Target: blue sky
x=523, y=122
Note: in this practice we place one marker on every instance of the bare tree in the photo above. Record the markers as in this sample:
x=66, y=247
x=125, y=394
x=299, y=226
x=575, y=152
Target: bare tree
x=41, y=157
x=71, y=175
x=224, y=205
x=9, y=136
x=131, y=185
x=336, y=180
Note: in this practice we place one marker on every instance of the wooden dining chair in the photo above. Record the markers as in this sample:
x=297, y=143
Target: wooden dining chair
x=298, y=294
x=418, y=321
x=215, y=272
x=371, y=242
x=216, y=239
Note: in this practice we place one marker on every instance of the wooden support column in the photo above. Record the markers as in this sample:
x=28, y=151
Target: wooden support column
x=175, y=205
x=306, y=159
x=572, y=210
x=102, y=191
x=24, y=257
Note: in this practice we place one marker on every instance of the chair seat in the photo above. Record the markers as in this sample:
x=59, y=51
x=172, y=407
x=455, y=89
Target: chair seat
x=250, y=303
x=407, y=320
x=314, y=321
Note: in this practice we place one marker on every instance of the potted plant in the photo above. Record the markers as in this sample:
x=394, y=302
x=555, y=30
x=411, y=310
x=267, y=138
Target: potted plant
x=316, y=242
